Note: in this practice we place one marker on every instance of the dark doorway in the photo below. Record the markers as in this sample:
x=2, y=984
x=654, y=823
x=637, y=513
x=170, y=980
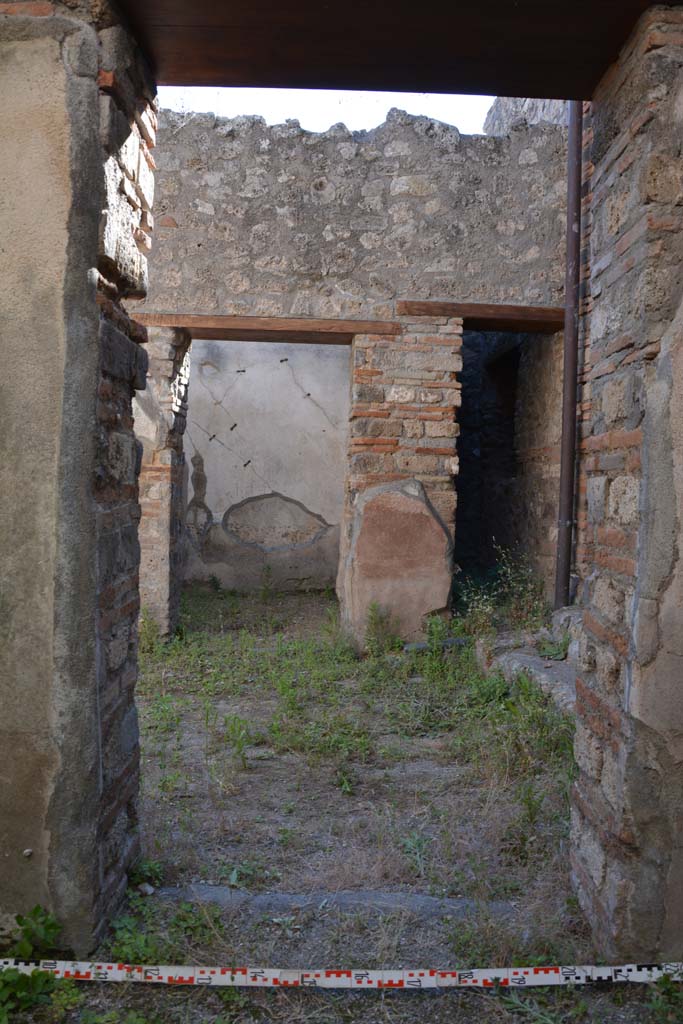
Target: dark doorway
x=488, y=476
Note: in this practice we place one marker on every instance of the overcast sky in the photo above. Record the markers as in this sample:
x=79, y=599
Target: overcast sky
x=318, y=109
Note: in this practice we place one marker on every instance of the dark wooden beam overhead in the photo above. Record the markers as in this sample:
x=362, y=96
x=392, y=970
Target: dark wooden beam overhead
x=269, y=328
x=478, y=316
x=549, y=48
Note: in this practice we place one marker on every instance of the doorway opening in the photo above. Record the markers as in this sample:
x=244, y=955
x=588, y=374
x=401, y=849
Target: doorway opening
x=266, y=447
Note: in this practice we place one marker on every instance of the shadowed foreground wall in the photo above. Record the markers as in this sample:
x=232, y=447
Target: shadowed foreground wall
x=266, y=451
x=74, y=179
x=627, y=848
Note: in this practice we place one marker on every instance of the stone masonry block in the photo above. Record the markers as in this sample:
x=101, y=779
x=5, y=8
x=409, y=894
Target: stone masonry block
x=121, y=357
x=624, y=495
x=596, y=497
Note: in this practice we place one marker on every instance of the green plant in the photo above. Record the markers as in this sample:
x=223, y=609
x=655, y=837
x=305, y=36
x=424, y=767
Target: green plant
x=36, y=935
x=345, y=780
x=554, y=650
x=248, y=874
x=149, y=637
x=150, y=871
x=520, y=590
x=381, y=631
x=116, y=1017
x=132, y=942
x=479, y=602
x=21, y=992
x=266, y=590
x=666, y=1001
x=170, y=782
x=415, y=846
x=67, y=995
x=238, y=734
x=521, y=837
x=215, y=584
x=533, y=1010
x=200, y=924
x=234, y=999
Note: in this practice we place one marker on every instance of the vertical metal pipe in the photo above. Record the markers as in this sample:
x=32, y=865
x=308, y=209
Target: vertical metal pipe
x=571, y=356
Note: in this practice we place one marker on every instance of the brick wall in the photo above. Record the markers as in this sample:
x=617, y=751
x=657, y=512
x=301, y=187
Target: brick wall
x=127, y=131
x=404, y=396
x=160, y=417
x=627, y=821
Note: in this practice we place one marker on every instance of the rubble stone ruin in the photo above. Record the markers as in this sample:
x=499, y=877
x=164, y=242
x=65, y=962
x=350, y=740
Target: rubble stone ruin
x=344, y=284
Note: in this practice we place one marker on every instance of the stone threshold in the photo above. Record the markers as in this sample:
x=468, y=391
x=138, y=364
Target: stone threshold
x=268, y=904
x=512, y=654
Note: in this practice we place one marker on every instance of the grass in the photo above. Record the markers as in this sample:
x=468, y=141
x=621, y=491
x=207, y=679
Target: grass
x=275, y=759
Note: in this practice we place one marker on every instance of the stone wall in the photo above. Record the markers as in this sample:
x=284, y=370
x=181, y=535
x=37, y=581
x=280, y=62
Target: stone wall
x=277, y=221
x=266, y=442
x=627, y=819
x=69, y=551
x=506, y=112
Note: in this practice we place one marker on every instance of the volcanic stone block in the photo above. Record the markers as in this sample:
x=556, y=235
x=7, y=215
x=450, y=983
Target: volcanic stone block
x=398, y=555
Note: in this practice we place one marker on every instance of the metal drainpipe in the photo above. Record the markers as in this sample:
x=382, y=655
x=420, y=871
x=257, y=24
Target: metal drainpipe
x=571, y=356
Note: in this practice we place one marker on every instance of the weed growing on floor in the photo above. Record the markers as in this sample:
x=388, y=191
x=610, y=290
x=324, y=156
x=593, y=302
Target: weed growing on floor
x=666, y=1001
x=554, y=650
x=248, y=874
x=146, y=871
x=146, y=934
x=415, y=846
x=34, y=938
x=479, y=605
x=511, y=597
x=520, y=590
x=239, y=736
x=412, y=769
x=116, y=1017
x=381, y=631
x=149, y=640
x=266, y=589
x=544, y=1009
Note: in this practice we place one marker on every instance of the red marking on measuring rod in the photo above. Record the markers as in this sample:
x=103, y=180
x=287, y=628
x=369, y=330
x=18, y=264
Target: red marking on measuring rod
x=416, y=979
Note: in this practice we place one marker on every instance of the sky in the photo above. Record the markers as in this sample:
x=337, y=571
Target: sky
x=318, y=109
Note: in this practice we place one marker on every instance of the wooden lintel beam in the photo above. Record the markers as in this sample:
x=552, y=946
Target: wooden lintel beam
x=282, y=337
x=481, y=316
x=269, y=328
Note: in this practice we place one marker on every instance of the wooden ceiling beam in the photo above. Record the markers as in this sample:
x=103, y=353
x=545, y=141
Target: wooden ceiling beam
x=526, y=48
x=481, y=316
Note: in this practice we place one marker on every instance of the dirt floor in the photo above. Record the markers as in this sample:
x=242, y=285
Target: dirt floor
x=304, y=807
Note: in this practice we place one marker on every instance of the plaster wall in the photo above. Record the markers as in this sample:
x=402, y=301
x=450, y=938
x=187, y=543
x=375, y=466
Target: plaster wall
x=33, y=87
x=266, y=445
